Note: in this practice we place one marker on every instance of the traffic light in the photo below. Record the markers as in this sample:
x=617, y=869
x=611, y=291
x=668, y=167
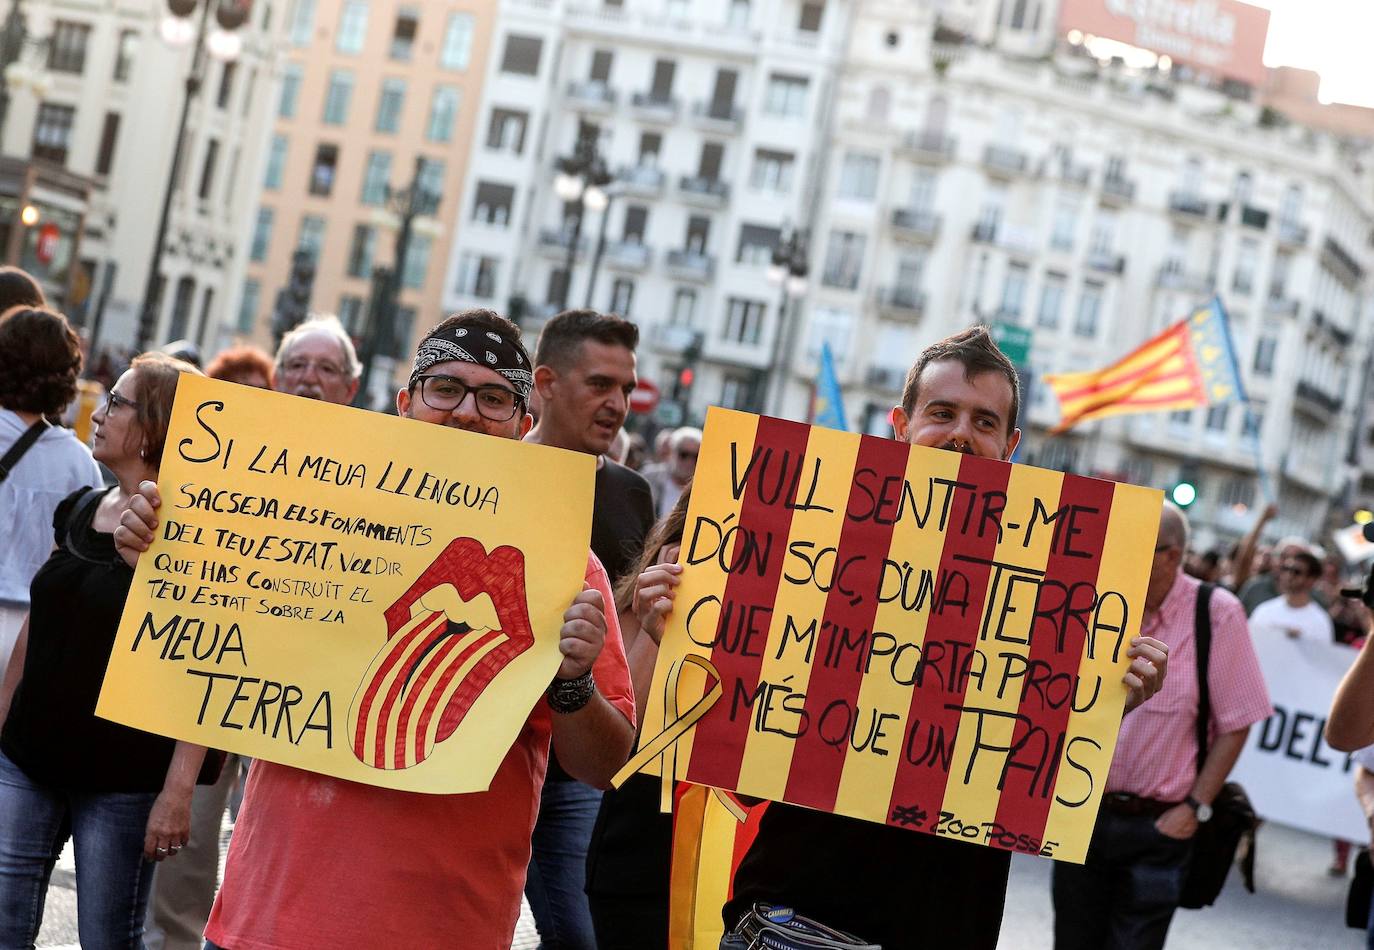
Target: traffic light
x=685, y=376
x=1185, y=491
x=293, y=300
x=1183, y=494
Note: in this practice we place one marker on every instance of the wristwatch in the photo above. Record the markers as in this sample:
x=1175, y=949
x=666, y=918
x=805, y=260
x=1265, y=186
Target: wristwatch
x=1201, y=809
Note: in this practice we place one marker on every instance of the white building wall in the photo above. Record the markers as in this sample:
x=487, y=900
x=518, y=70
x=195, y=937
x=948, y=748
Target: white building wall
x=205, y=236
x=758, y=41
x=1054, y=128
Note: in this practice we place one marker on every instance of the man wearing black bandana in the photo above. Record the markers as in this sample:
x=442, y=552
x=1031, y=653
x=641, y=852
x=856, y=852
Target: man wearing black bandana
x=320, y=862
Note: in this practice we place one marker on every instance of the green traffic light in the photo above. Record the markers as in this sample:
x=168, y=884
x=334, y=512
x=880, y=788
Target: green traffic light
x=1183, y=494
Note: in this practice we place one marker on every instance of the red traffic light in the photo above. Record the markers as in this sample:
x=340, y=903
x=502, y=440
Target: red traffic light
x=685, y=376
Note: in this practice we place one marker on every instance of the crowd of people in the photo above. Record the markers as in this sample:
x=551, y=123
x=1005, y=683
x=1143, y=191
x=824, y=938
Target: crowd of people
x=318, y=861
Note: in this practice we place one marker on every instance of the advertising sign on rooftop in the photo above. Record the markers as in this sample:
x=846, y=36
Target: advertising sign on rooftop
x=1223, y=37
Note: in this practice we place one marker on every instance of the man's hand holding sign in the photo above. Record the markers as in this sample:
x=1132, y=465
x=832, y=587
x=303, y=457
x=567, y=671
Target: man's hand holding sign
x=926, y=639
x=349, y=610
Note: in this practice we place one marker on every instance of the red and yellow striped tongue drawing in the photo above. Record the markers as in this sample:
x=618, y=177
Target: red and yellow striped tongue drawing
x=448, y=637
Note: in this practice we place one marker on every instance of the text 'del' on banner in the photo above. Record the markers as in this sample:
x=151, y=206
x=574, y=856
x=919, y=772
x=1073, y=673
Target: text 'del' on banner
x=347, y=592
x=1291, y=775
x=900, y=634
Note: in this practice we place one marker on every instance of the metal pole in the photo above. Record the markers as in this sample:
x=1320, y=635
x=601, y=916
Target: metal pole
x=600, y=248
x=152, y=289
x=572, y=248
x=385, y=318
x=775, y=371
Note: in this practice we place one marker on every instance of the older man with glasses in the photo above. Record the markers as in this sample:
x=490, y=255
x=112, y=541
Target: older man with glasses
x=1157, y=796
x=317, y=360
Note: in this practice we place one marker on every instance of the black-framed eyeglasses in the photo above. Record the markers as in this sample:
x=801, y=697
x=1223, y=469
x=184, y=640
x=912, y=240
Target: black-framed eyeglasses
x=114, y=400
x=445, y=394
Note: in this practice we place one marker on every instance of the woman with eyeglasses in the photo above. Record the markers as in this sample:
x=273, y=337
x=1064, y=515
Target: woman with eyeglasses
x=122, y=796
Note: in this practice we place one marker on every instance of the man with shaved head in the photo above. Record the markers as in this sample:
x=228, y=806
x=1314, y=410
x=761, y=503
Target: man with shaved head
x=1158, y=794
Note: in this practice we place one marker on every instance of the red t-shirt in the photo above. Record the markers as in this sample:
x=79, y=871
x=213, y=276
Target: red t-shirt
x=317, y=861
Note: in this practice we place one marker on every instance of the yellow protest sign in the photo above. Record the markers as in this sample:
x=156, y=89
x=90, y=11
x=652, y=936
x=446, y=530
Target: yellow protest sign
x=901, y=634
x=373, y=598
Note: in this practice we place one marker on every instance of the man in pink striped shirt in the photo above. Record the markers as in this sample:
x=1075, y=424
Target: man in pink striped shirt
x=1156, y=797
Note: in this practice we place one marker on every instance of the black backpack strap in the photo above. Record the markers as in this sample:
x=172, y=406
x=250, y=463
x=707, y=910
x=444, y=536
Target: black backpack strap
x=22, y=445
x=1202, y=641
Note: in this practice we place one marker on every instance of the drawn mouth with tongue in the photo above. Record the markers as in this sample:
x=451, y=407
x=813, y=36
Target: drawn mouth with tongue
x=448, y=637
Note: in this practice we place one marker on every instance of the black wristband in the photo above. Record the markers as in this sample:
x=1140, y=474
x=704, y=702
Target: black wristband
x=568, y=696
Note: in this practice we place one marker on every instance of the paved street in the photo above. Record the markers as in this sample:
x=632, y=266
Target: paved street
x=1297, y=905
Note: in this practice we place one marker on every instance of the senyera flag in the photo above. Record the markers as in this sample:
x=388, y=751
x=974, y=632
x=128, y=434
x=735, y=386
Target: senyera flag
x=1192, y=363
x=900, y=634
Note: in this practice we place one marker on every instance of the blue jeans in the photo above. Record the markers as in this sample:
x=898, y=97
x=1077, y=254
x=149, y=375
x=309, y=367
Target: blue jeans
x=1124, y=896
x=112, y=879
x=557, y=875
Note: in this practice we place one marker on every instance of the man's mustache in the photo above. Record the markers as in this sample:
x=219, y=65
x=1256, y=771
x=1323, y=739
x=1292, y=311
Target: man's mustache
x=953, y=446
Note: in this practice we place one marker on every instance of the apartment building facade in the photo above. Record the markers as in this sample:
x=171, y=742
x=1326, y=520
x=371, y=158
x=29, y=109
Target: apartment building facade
x=376, y=103
x=710, y=119
x=94, y=99
x=987, y=169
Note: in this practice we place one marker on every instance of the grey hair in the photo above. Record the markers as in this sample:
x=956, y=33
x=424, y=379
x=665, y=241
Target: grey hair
x=322, y=323
x=1173, y=526
x=684, y=434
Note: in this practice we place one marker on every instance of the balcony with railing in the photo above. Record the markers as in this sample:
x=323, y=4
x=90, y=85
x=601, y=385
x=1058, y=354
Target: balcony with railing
x=1176, y=278
x=928, y=146
x=1105, y=262
x=889, y=379
x=915, y=225
x=1004, y=162
x=673, y=339
x=642, y=180
x=654, y=107
x=592, y=94
x=628, y=255
x=1293, y=233
x=1118, y=190
x=1016, y=240
x=708, y=191
x=1187, y=205
x=1072, y=174
x=904, y=304
x=1279, y=305
x=1316, y=400
x=557, y=240
x=718, y=117
x=1339, y=259
x=691, y=265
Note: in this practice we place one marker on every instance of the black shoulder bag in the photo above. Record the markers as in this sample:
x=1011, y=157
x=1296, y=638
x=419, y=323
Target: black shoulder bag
x=25, y=442
x=80, y=517
x=1233, y=817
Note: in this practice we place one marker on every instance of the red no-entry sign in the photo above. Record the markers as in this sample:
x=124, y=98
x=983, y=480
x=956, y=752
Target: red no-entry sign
x=644, y=397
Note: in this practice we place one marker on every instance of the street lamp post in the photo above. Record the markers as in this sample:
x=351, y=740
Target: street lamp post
x=611, y=193
x=582, y=179
x=403, y=206
x=788, y=270
x=229, y=15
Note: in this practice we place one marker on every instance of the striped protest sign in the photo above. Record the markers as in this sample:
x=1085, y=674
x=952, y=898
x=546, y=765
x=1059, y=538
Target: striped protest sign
x=900, y=634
